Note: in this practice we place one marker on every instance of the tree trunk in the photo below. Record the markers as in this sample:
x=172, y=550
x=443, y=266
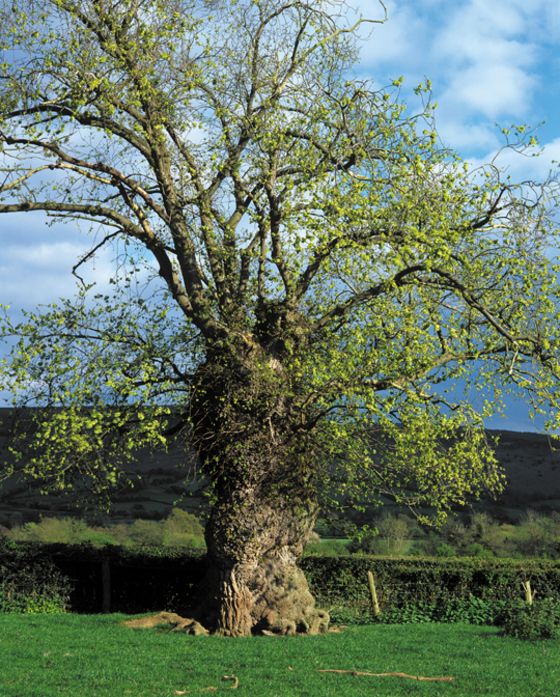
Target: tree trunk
x=264, y=510
x=253, y=583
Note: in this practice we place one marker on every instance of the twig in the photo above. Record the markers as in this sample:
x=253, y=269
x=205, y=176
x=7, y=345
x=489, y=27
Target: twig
x=234, y=679
x=360, y=673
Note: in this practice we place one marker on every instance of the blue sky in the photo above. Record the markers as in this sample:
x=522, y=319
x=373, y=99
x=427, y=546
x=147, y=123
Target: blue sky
x=491, y=63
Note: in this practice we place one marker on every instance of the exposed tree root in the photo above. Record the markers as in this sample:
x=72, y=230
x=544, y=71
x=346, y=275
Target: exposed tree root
x=387, y=675
x=176, y=623
x=172, y=620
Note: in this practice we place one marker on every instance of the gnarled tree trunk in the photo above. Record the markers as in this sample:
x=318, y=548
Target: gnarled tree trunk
x=265, y=509
x=254, y=584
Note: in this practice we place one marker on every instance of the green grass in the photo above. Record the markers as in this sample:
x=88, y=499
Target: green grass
x=69, y=655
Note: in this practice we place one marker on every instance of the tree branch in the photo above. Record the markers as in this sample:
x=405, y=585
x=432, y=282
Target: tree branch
x=343, y=309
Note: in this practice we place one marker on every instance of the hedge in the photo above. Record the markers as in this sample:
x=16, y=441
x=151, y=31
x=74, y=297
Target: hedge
x=416, y=589
x=409, y=589
x=114, y=578
x=402, y=580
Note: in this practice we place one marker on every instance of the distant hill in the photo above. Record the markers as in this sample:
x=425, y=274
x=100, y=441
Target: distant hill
x=532, y=465
x=160, y=480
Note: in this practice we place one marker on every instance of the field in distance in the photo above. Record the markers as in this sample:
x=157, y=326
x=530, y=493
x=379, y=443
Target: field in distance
x=160, y=480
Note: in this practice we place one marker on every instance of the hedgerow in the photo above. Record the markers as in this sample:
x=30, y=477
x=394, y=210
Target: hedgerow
x=409, y=589
x=31, y=583
x=427, y=589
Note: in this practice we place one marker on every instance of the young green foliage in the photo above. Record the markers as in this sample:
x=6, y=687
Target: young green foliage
x=323, y=272
x=283, y=206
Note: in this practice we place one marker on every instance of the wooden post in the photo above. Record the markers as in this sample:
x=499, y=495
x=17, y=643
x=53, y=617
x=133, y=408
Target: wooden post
x=105, y=585
x=373, y=595
x=529, y=592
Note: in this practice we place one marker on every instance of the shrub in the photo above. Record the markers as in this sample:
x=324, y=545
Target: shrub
x=541, y=620
x=146, y=533
x=445, y=550
x=179, y=529
x=47, y=530
x=470, y=610
x=411, y=613
x=391, y=536
x=477, y=549
x=365, y=541
x=182, y=529
x=539, y=535
x=424, y=589
x=32, y=586
x=98, y=537
x=480, y=536
x=409, y=590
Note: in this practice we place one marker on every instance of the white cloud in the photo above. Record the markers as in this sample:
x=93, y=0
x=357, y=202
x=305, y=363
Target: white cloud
x=477, y=21
x=521, y=167
x=492, y=91
x=486, y=59
x=47, y=255
x=466, y=136
x=398, y=41
x=36, y=261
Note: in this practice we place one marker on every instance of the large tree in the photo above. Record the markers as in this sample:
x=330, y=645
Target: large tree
x=302, y=273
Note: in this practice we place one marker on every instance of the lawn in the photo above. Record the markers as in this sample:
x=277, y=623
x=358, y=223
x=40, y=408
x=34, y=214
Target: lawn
x=69, y=655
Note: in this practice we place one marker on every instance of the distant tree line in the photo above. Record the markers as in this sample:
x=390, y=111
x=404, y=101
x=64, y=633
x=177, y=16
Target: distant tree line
x=480, y=535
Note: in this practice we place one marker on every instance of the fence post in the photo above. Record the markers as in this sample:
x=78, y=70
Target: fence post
x=529, y=592
x=105, y=585
x=373, y=595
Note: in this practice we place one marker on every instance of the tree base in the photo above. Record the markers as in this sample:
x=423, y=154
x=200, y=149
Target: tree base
x=286, y=606
x=270, y=598
x=187, y=625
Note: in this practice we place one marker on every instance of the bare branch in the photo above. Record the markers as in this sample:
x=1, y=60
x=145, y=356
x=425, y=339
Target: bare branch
x=91, y=254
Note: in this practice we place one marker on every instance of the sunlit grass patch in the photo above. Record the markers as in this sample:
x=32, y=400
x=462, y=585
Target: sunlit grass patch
x=61, y=656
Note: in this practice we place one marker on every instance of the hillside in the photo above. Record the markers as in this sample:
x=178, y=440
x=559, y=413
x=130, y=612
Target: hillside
x=157, y=481
x=160, y=480
x=532, y=465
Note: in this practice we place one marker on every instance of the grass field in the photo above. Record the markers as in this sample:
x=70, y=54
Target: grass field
x=93, y=656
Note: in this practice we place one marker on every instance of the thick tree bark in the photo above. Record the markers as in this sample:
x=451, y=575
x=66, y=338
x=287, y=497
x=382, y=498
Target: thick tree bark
x=254, y=584
x=265, y=506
